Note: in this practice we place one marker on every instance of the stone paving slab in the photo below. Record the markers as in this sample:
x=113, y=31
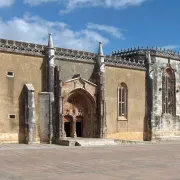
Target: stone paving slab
x=128, y=162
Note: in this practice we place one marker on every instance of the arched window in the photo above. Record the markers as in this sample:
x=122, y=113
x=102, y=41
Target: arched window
x=168, y=92
x=122, y=100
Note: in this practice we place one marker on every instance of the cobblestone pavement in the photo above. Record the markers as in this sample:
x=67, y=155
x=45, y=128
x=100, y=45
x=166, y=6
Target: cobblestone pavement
x=130, y=162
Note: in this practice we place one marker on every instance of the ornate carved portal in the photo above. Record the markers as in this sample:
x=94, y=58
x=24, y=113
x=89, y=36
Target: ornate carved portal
x=79, y=114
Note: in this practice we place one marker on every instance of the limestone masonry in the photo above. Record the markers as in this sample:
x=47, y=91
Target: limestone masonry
x=49, y=93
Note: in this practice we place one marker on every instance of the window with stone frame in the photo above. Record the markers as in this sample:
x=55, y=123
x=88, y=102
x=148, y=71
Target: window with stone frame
x=122, y=101
x=168, y=92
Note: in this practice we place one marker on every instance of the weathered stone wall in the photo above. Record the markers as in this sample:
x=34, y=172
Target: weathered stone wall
x=69, y=68
x=134, y=127
x=27, y=70
x=164, y=126
x=45, y=116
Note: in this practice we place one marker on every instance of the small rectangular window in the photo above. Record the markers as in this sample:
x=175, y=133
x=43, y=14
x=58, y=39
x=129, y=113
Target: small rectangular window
x=10, y=74
x=11, y=116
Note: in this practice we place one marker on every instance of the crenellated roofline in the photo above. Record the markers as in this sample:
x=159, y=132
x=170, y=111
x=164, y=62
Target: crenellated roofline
x=22, y=47
x=70, y=53
x=62, y=53
x=39, y=50
x=159, y=52
x=125, y=62
x=122, y=58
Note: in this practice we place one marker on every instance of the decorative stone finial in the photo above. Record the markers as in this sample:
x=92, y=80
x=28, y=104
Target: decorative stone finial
x=100, y=51
x=50, y=41
x=148, y=56
x=101, y=58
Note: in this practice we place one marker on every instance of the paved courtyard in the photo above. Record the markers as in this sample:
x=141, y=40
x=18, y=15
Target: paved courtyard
x=128, y=162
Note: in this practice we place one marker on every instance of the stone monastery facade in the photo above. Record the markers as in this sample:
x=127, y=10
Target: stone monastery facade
x=50, y=93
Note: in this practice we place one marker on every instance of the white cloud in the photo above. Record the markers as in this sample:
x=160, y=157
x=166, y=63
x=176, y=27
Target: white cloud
x=6, y=3
x=109, y=29
x=73, y=4
x=38, y=2
x=35, y=29
x=172, y=47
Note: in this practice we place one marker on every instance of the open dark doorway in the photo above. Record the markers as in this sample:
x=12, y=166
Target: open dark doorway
x=79, y=129
x=68, y=125
x=79, y=126
x=67, y=128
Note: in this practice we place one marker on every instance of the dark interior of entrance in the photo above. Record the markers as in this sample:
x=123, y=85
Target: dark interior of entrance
x=67, y=128
x=79, y=129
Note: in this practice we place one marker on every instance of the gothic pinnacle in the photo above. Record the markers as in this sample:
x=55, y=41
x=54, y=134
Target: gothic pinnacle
x=50, y=41
x=100, y=51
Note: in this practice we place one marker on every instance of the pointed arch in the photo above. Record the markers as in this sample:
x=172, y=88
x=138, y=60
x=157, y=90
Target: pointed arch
x=85, y=94
x=81, y=105
x=168, y=91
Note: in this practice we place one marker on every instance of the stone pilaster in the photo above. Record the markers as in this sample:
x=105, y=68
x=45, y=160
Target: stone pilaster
x=51, y=118
x=149, y=93
x=30, y=114
x=101, y=93
x=50, y=54
x=45, y=117
x=61, y=118
x=102, y=106
x=59, y=103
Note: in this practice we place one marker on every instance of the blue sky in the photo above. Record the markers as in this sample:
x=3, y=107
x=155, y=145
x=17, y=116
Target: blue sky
x=81, y=24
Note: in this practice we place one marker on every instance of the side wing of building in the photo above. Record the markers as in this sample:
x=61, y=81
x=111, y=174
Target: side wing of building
x=20, y=64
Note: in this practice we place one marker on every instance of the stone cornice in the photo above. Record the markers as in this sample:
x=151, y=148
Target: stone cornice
x=21, y=47
x=154, y=52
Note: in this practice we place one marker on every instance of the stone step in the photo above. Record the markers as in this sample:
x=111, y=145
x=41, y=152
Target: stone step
x=87, y=142
x=103, y=142
x=165, y=138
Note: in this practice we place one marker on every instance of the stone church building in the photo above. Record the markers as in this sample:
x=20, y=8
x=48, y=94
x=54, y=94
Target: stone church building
x=49, y=93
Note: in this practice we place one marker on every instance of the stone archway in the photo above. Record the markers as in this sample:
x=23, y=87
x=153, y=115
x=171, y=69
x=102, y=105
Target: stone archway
x=80, y=105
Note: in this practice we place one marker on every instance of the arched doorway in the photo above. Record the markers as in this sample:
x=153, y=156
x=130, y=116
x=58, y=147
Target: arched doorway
x=81, y=107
